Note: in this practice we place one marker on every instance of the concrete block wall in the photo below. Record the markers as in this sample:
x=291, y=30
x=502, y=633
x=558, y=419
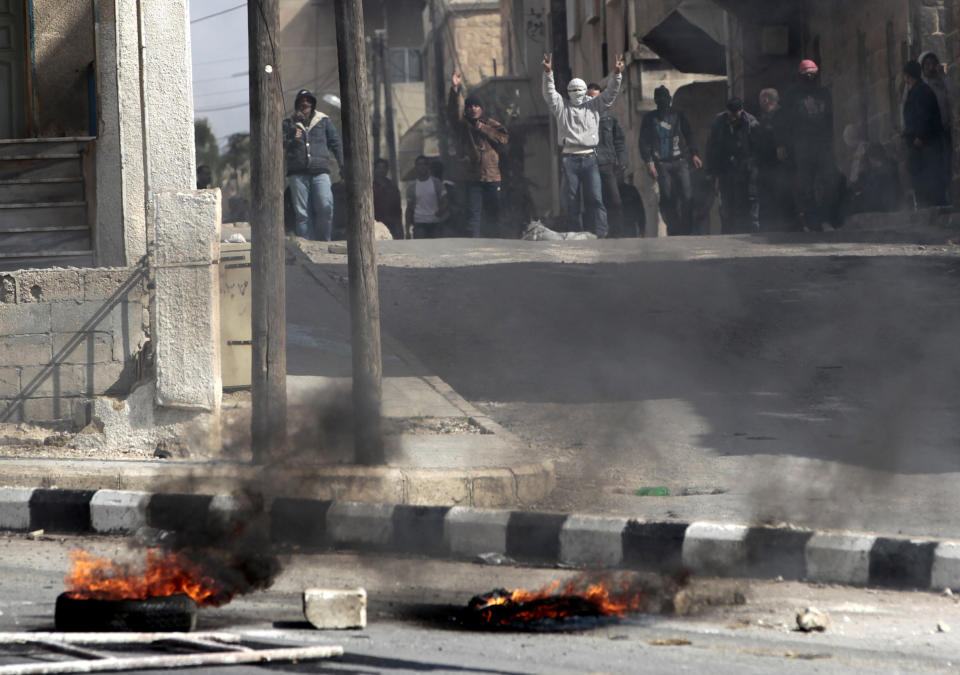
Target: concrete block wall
x=67, y=335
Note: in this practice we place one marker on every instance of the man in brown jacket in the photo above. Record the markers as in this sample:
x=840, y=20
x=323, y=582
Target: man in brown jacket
x=480, y=141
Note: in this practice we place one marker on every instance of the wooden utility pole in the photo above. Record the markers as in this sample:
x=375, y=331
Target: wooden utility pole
x=390, y=135
x=375, y=76
x=441, y=78
x=361, y=254
x=268, y=279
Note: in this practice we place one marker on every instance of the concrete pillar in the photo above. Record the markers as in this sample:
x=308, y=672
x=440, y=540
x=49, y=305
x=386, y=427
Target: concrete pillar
x=185, y=222
x=168, y=95
x=186, y=306
x=121, y=237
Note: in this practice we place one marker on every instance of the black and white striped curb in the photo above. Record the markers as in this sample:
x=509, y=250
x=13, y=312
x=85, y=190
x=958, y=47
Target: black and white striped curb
x=459, y=532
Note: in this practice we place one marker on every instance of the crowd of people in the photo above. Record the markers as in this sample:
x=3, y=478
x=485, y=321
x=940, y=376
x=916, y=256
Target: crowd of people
x=771, y=172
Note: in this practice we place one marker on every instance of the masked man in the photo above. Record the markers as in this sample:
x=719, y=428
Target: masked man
x=666, y=146
x=578, y=130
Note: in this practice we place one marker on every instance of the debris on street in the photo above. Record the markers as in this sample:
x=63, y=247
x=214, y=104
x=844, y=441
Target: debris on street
x=812, y=619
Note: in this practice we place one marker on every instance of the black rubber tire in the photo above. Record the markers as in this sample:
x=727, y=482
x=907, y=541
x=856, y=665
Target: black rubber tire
x=153, y=615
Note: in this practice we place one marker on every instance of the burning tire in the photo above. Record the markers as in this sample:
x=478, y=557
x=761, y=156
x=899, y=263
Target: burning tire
x=159, y=614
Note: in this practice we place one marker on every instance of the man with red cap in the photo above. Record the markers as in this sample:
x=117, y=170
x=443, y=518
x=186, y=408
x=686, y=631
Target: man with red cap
x=808, y=113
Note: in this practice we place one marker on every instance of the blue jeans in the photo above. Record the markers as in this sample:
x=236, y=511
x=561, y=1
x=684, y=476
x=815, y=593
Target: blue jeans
x=584, y=170
x=483, y=198
x=312, y=196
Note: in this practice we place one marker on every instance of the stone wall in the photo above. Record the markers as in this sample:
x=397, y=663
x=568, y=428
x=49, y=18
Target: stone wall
x=67, y=335
x=861, y=51
x=476, y=37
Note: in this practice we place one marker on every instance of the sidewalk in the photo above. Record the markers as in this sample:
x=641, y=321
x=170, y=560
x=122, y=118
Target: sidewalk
x=440, y=449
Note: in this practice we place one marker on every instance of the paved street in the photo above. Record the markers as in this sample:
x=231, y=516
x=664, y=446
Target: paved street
x=803, y=379
x=872, y=631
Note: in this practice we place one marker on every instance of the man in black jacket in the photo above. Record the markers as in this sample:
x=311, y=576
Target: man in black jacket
x=731, y=160
x=775, y=182
x=612, y=160
x=308, y=139
x=666, y=145
x=923, y=133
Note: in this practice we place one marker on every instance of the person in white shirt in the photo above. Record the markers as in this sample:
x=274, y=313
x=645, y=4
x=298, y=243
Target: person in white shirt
x=426, y=202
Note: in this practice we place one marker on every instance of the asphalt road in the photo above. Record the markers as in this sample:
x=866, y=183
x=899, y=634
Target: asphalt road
x=799, y=379
x=871, y=631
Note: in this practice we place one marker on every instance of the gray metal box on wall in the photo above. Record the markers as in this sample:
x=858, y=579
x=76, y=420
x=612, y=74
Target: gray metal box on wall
x=236, y=333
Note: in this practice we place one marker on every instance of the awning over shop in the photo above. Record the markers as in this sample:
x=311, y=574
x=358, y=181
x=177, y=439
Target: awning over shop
x=691, y=37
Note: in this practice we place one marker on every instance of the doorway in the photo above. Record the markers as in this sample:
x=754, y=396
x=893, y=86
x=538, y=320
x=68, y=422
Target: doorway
x=12, y=69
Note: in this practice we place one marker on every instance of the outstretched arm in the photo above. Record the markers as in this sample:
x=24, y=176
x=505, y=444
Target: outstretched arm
x=606, y=98
x=455, y=100
x=550, y=95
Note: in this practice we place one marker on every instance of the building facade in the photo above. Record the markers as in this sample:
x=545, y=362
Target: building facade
x=108, y=293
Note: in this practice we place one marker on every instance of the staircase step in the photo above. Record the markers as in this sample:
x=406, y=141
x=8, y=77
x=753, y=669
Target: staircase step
x=22, y=249
x=41, y=167
x=41, y=190
x=22, y=217
x=20, y=148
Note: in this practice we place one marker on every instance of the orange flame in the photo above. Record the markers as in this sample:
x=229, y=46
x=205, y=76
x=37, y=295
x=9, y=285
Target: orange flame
x=606, y=597
x=165, y=573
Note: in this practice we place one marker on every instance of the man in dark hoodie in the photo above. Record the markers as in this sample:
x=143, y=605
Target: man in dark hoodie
x=947, y=95
x=808, y=112
x=666, y=145
x=480, y=140
x=923, y=133
x=612, y=161
x=309, y=138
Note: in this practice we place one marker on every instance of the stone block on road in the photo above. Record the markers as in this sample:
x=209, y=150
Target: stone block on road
x=328, y=608
x=839, y=558
x=715, y=549
x=118, y=511
x=15, y=508
x=470, y=532
x=946, y=566
x=592, y=540
x=361, y=525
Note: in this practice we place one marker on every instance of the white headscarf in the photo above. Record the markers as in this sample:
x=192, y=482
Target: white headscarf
x=577, y=90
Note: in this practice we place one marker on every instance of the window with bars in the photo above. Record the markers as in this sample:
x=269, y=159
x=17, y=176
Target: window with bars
x=406, y=64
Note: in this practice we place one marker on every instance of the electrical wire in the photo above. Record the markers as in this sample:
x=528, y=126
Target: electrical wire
x=210, y=16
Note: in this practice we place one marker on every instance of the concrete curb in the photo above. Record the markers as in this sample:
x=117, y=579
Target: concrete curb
x=419, y=486
x=463, y=533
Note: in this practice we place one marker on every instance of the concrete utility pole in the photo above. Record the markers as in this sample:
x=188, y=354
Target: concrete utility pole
x=268, y=278
x=361, y=254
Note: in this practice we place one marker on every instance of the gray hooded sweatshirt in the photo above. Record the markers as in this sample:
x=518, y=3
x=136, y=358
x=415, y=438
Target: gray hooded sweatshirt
x=578, y=126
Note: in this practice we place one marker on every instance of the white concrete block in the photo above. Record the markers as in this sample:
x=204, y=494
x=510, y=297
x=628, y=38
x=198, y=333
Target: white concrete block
x=839, y=558
x=328, y=608
x=15, y=508
x=360, y=524
x=115, y=511
x=470, y=532
x=592, y=540
x=946, y=566
x=715, y=548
